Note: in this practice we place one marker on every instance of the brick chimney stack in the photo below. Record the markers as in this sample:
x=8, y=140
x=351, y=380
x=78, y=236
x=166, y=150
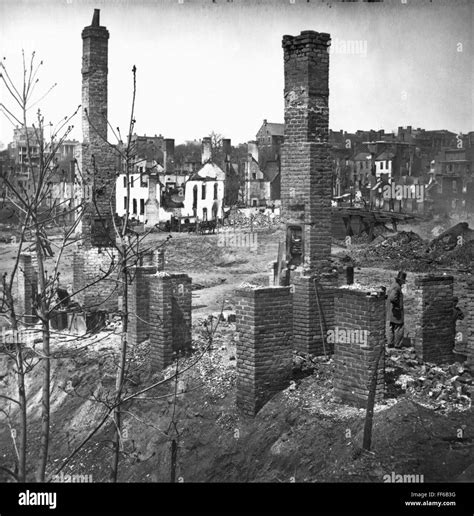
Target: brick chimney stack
x=226, y=148
x=306, y=176
x=94, y=80
x=206, y=149
x=252, y=149
x=168, y=155
x=97, y=161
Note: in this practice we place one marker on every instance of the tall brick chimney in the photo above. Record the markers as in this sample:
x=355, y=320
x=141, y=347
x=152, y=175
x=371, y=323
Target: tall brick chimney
x=306, y=176
x=168, y=155
x=226, y=148
x=97, y=161
x=252, y=150
x=206, y=151
x=94, y=81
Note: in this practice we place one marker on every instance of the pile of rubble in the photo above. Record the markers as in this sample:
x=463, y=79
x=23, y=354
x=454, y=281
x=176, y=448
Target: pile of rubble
x=407, y=250
x=446, y=387
x=257, y=220
x=402, y=250
x=212, y=364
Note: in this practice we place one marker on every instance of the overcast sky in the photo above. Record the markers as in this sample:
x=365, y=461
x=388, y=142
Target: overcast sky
x=204, y=65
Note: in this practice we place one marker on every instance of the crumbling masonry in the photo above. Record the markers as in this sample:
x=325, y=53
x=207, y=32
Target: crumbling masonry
x=159, y=304
x=306, y=183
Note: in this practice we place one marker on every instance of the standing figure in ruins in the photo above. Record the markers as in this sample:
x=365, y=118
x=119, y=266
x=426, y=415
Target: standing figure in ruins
x=395, y=311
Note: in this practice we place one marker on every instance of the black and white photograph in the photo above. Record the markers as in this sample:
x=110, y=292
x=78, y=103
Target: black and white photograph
x=237, y=249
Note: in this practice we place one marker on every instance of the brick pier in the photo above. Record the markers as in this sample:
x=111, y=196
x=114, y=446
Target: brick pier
x=434, y=328
x=264, y=348
x=139, y=324
x=359, y=335
x=170, y=315
x=26, y=287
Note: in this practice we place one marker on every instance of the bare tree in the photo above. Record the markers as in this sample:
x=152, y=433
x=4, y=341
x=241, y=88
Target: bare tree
x=36, y=216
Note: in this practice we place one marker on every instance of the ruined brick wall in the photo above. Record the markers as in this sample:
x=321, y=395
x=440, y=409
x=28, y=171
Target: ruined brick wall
x=139, y=324
x=170, y=315
x=264, y=349
x=306, y=174
x=356, y=352
x=434, y=328
x=308, y=317
x=470, y=324
x=89, y=266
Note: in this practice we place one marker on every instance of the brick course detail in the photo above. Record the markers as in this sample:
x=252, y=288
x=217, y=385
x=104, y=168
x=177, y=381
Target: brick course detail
x=139, y=324
x=264, y=349
x=355, y=352
x=434, y=327
x=308, y=318
x=89, y=265
x=170, y=317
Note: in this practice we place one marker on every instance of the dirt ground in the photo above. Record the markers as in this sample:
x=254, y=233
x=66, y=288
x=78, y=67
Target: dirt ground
x=303, y=434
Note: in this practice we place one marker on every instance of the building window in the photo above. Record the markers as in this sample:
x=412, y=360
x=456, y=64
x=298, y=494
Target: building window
x=254, y=202
x=195, y=199
x=132, y=180
x=134, y=204
x=215, y=191
x=144, y=181
x=142, y=206
x=381, y=165
x=125, y=203
x=203, y=192
x=204, y=214
x=125, y=181
x=254, y=175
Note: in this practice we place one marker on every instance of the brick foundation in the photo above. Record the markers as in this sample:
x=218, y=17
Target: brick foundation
x=170, y=315
x=264, y=349
x=89, y=265
x=434, y=328
x=139, y=324
x=356, y=352
x=306, y=314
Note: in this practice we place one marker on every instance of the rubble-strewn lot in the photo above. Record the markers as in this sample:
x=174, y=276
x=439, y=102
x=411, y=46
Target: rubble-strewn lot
x=425, y=424
x=303, y=432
